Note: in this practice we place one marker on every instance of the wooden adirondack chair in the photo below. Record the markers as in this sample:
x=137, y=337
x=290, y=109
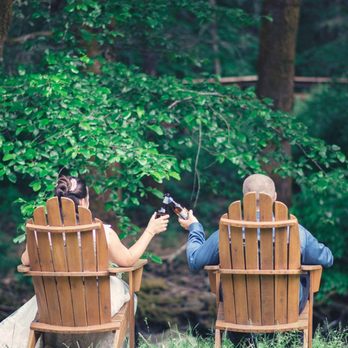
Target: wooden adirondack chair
x=259, y=272
x=71, y=275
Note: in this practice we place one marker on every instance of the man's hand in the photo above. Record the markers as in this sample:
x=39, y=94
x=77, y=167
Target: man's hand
x=186, y=223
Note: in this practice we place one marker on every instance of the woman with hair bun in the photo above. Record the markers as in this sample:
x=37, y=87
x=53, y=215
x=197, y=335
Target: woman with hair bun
x=14, y=330
x=75, y=188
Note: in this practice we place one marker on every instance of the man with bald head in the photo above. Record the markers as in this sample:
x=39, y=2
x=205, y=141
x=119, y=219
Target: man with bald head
x=201, y=252
x=260, y=183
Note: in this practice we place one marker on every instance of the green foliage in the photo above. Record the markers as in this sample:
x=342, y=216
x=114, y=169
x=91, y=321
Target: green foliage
x=11, y=212
x=163, y=36
x=176, y=36
x=60, y=120
x=322, y=39
x=321, y=205
x=135, y=126
x=325, y=114
x=171, y=36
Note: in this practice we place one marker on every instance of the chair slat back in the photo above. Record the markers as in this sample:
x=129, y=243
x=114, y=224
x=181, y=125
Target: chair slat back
x=89, y=257
x=238, y=262
x=104, y=283
x=266, y=260
x=252, y=260
x=225, y=262
x=259, y=299
x=58, y=252
x=65, y=300
x=38, y=282
x=280, y=262
x=46, y=262
x=294, y=263
x=73, y=261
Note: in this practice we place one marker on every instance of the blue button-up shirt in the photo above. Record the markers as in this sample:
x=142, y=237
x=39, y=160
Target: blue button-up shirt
x=201, y=252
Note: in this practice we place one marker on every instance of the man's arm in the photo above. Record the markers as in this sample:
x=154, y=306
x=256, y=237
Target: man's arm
x=314, y=252
x=200, y=252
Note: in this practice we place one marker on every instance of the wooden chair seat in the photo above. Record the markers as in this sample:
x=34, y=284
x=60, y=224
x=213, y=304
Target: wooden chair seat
x=301, y=324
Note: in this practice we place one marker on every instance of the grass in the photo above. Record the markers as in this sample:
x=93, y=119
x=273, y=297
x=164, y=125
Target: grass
x=175, y=339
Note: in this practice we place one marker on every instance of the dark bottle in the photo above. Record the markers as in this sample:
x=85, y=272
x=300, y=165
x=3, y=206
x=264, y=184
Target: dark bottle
x=160, y=212
x=176, y=207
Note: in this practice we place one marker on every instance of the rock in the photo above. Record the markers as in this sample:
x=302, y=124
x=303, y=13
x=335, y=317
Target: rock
x=175, y=297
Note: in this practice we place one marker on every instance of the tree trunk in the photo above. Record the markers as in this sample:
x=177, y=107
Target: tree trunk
x=93, y=50
x=149, y=61
x=5, y=20
x=215, y=40
x=276, y=68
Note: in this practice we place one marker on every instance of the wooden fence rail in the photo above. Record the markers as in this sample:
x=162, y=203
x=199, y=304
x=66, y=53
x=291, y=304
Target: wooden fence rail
x=299, y=81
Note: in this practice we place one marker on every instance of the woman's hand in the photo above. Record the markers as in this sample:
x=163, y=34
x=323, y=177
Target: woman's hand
x=186, y=223
x=158, y=225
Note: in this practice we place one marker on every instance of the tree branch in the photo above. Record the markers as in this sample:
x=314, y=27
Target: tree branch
x=26, y=37
x=216, y=94
x=169, y=258
x=196, y=174
x=176, y=102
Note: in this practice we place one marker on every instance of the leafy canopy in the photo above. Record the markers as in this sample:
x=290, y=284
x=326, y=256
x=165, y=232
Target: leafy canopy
x=130, y=126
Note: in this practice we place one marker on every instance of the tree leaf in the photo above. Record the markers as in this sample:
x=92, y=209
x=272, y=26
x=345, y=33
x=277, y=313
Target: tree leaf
x=157, y=129
x=8, y=157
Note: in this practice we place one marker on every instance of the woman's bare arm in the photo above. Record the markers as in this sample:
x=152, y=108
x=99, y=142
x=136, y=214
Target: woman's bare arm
x=120, y=254
x=123, y=256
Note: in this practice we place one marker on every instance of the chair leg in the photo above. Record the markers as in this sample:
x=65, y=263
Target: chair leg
x=309, y=338
x=131, y=334
x=122, y=331
x=118, y=339
x=305, y=338
x=120, y=335
x=310, y=320
x=33, y=338
x=131, y=322
x=217, y=338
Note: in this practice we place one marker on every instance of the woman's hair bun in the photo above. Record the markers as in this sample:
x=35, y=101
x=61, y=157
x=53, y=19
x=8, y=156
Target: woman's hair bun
x=62, y=188
x=71, y=187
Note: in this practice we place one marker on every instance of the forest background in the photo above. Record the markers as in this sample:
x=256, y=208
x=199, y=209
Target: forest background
x=128, y=95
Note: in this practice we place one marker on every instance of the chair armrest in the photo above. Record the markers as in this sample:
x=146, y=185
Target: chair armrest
x=315, y=272
x=23, y=269
x=137, y=265
x=135, y=274
x=310, y=268
x=212, y=268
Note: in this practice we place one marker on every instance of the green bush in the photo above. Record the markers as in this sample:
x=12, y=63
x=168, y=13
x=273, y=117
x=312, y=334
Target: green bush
x=321, y=203
x=130, y=126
